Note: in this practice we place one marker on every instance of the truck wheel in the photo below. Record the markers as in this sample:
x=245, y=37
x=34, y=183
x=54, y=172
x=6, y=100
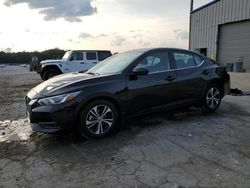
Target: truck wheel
x=49, y=73
x=41, y=75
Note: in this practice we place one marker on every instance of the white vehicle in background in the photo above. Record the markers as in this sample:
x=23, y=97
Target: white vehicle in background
x=72, y=61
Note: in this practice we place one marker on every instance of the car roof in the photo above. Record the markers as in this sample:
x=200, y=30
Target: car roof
x=144, y=50
x=90, y=50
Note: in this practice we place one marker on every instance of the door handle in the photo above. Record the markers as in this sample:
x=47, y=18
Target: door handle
x=205, y=72
x=170, y=78
x=81, y=62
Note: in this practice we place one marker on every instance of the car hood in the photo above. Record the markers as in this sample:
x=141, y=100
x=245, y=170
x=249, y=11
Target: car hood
x=51, y=61
x=60, y=84
x=66, y=83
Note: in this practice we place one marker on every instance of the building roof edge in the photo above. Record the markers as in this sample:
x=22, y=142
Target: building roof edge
x=205, y=6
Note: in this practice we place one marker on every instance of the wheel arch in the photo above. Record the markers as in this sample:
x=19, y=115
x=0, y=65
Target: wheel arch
x=55, y=67
x=51, y=67
x=219, y=82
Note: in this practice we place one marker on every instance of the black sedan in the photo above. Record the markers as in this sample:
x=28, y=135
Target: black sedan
x=126, y=85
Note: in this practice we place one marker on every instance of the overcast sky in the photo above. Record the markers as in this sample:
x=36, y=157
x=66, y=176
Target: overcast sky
x=118, y=25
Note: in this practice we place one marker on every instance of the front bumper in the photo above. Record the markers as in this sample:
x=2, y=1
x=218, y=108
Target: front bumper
x=45, y=127
x=51, y=119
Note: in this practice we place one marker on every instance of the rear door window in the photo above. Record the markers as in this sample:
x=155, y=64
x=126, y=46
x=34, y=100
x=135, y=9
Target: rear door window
x=184, y=60
x=91, y=55
x=198, y=60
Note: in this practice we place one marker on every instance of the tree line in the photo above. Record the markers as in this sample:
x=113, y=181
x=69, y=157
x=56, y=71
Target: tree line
x=25, y=57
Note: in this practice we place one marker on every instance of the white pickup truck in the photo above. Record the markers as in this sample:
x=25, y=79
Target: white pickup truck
x=72, y=61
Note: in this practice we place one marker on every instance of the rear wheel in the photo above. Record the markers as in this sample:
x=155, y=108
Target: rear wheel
x=213, y=98
x=98, y=119
x=49, y=73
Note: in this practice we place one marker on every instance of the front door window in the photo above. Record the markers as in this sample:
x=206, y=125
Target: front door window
x=77, y=56
x=155, y=62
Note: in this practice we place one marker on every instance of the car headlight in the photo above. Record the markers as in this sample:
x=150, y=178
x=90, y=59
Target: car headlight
x=58, y=99
x=32, y=102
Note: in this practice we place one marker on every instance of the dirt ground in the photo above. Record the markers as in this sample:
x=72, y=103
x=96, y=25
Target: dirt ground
x=185, y=149
x=15, y=82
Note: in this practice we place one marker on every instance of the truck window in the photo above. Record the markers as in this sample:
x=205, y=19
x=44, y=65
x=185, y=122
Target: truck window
x=76, y=56
x=91, y=56
x=103, y=55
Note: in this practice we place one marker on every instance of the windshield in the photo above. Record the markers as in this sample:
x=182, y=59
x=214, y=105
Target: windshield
x=115, y=64
x=66, y=55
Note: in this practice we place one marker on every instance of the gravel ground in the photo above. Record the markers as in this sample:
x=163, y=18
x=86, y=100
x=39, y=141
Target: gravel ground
x=183, y=149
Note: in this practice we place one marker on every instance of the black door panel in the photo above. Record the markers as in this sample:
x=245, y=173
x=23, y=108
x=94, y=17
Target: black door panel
x=191, y=76
x=191, y=83
x=155, y=89
x=151, y=91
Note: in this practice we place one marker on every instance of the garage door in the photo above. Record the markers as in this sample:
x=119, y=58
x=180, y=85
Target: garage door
x=234, y=43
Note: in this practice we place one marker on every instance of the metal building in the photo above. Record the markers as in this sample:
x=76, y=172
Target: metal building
x=221, y=31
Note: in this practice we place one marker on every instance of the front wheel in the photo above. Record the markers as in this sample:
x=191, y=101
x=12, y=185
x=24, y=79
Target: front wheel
x=212, y=99
x=98, y=119
x=49, y=73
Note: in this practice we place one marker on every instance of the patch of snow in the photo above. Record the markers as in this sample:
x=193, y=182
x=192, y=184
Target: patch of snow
x=18, y=130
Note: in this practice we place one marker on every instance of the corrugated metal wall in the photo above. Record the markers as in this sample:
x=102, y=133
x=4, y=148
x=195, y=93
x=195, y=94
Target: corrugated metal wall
x=205, y=23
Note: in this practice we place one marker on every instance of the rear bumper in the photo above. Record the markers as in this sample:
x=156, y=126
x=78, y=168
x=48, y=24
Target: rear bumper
x=227, y=87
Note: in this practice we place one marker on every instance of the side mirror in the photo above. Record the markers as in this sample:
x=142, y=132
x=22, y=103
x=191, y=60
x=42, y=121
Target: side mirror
x=140, y=71
x=71, y=58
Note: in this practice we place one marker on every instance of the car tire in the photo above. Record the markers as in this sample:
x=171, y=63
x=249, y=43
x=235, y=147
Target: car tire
x=49, y=73
x=212, y=99
x=98, y=119
x=41, y=75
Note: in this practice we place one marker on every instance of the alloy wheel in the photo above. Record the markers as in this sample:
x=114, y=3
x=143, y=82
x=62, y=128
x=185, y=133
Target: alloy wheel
x=213, y=98
x=99, y=119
